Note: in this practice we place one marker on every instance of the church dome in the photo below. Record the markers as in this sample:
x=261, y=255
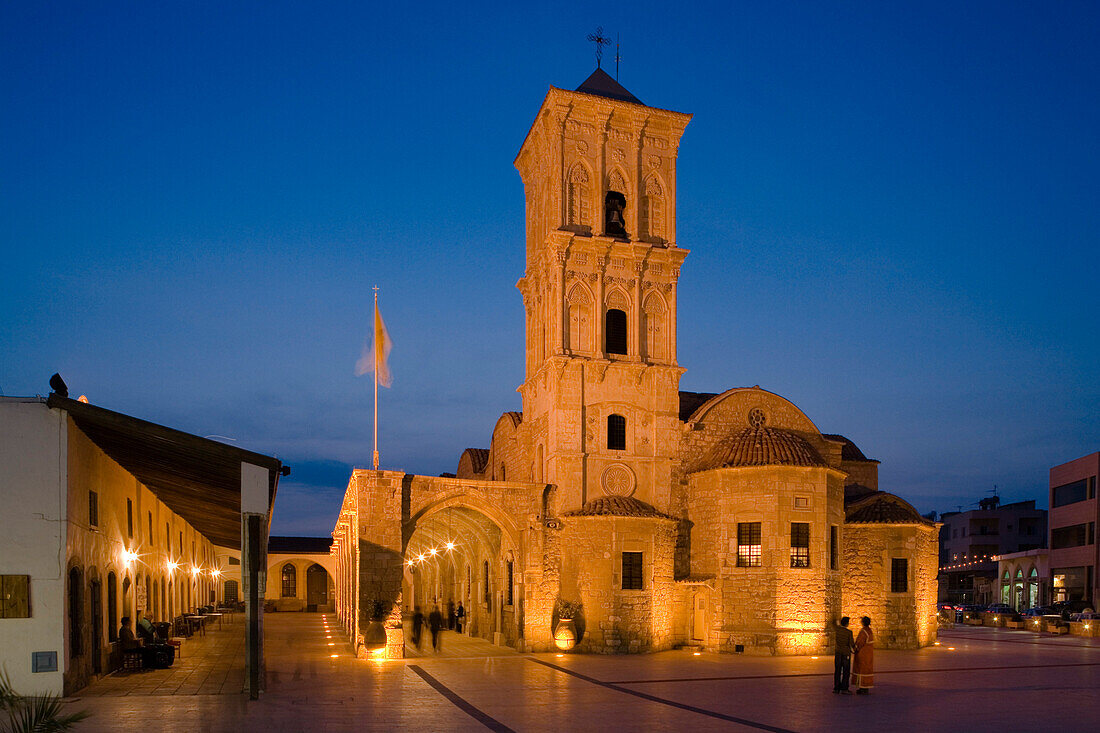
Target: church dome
x=761, y=446
x=616, y=506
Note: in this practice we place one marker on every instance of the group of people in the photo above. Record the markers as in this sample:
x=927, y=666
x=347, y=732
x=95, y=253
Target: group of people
x=155, y=652
x=855, y=659
x=456, y=616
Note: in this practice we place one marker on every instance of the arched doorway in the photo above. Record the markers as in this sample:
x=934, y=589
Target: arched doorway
x=316, y=587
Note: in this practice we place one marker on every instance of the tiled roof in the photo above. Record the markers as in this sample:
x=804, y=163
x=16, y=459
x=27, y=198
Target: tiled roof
x=761, y=446
x=601, y=84
x=478, y=458
x=298, y=545
x=850, y=451
x=691, y=401
x=616, y=506
x=880, y=507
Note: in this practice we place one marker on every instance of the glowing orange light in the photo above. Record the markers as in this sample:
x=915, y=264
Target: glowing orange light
x=699, y=653
x=82, y=398
x=334, y=656
x=560, y=655
x=432, y=552
x=950, y=648
x=450, y=545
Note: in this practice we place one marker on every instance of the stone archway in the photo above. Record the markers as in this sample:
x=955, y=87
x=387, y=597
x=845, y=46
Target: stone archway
x=457, y=554
x=390, y=518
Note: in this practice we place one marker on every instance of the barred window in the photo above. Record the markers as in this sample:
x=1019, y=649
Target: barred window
x=748, y=544
x=93, y=509
x=899, y=575
x=632, y=571
x=616, y=432
x=130, y=518
x=800, y=545
x=488, y=594
x=508, y=596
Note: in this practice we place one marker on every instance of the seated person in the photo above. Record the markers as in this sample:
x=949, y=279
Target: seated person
x=145, y=629
x=126, y=636
x=154, y=651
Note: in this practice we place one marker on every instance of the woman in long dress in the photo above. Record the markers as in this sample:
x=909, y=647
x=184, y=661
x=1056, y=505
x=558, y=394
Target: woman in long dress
x=863, y=664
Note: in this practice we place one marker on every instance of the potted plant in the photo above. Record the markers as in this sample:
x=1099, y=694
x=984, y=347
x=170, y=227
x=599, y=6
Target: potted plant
x=565, y=635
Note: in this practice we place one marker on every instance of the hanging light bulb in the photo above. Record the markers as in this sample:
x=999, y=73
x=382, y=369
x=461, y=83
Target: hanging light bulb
x=450, y=545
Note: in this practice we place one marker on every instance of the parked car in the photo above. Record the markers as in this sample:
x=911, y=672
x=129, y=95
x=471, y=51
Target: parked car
x=967, y=610
x=1038, y=611
x=1066, y=609
x=1001, y=608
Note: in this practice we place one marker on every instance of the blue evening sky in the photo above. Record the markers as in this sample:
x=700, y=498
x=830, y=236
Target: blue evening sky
x=892, y=210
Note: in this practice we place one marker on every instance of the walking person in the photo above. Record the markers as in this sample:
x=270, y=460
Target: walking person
x=435, y=624
x=418, y=626
x=842, y=658
x=460, y=616
x=863, y=668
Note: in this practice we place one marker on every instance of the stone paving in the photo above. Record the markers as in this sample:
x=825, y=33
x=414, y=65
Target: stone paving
x=977, y=679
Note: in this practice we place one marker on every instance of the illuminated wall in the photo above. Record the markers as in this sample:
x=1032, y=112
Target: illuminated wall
x=903, y=620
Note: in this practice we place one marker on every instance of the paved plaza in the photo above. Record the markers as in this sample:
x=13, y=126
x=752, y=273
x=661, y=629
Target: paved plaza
x=977, y=679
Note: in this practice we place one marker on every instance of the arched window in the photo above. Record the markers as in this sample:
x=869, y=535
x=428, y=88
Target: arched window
x=614, y=206
x=615, y=331
x=652, y=212
x=616, y=432
x=76, y=613
x=577, y=206
x=127, y=609
x=503, y=473
x=112, y=607
x=290, y=581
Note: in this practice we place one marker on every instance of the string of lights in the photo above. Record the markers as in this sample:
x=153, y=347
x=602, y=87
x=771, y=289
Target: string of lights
x=432, y=552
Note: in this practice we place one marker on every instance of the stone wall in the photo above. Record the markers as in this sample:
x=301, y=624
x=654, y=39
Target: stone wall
x=900, y=620
x=614, y=620
x=772, y=608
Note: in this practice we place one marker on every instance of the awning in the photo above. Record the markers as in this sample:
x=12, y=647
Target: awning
x=199, y=479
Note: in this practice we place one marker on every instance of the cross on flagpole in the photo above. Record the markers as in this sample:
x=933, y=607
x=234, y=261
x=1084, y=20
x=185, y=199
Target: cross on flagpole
x=377, y=353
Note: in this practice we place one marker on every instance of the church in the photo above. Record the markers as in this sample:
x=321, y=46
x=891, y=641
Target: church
x=616, y=513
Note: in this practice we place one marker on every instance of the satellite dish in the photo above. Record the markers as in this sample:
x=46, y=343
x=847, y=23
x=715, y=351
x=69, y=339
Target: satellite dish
x=57, y=384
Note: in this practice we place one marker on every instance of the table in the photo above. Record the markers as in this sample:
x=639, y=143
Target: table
x=196, y=623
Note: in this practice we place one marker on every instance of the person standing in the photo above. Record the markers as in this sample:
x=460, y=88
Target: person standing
x=842, y=659
x=451, y=614
x=418, y=626
x=460, y=616
x=435, y=624
x=863, y=668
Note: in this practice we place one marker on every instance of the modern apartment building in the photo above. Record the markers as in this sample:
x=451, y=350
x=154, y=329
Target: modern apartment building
x=1074, y=513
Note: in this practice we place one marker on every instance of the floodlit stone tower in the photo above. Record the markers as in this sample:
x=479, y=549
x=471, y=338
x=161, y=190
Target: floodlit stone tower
x=600, y=393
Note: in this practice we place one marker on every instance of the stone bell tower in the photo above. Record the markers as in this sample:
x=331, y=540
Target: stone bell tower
x=601, y=386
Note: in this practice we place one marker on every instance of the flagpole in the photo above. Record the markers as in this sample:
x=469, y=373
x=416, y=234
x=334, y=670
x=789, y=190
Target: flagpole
x=377, y=356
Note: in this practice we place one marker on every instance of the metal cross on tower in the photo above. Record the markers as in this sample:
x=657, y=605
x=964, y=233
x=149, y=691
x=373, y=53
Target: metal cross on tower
x=600, y=40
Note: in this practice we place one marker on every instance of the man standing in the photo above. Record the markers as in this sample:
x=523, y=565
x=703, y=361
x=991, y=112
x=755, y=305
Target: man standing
x=842, y=660
x=435, y=624
x=460, y=617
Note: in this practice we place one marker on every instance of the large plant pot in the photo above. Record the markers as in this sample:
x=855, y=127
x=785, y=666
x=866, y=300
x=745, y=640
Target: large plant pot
x=565, y=636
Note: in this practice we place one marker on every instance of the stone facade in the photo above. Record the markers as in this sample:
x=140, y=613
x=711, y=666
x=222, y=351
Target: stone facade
x=719, y=520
